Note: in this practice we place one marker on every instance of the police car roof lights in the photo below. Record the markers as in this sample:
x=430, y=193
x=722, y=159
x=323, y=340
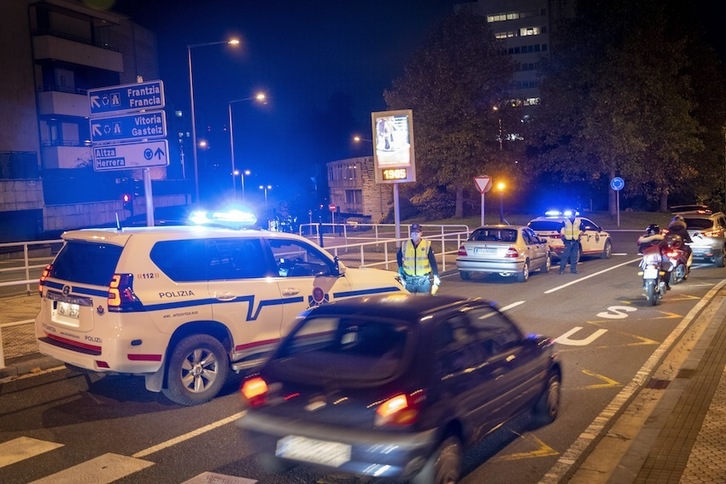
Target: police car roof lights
x=231, y=218
x=561, y=213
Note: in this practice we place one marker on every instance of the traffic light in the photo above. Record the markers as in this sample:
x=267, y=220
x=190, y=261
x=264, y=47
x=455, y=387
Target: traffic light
x=128, y=201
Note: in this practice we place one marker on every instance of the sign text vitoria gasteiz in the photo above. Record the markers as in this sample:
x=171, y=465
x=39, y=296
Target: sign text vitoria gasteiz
x=126, y=98
x=135, y=126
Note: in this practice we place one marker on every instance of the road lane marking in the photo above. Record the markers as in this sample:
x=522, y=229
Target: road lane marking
x=609, y=382
x=188, y=435
x=23, y=448
x=541, y=450
x=589, y=436
x=584, y=278
x=566, y=340
x=100, y=470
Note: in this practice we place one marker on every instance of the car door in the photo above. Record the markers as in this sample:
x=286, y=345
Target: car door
x=537, y=249
x=591, y=240
x=305, y=276
x=243, y=296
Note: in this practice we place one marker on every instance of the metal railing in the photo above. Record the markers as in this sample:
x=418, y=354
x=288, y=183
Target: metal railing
x=21, y=264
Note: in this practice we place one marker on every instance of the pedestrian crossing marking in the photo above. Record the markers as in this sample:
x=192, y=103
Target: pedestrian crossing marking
x=23, y=448
x=100, y=470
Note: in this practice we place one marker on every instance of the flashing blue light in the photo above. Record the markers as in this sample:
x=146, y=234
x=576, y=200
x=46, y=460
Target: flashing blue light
x=234, y=217
x=553, y=213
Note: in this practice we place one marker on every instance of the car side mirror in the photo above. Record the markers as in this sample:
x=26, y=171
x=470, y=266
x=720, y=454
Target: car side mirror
x=338, y=268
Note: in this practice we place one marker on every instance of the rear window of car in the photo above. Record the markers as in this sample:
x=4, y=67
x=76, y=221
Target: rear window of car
x=545, y=225
x=698, y=223
x=353, y=350
x=86, y=262
x=494, y=235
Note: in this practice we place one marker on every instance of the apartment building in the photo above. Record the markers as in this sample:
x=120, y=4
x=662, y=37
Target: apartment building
x=353, y=188
x=52, y=53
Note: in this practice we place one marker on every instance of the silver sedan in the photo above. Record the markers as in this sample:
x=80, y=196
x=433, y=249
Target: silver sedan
x=508, y=250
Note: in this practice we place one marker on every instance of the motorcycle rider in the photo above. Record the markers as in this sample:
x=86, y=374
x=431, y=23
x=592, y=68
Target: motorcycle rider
x=678, y=227
x=651, y=240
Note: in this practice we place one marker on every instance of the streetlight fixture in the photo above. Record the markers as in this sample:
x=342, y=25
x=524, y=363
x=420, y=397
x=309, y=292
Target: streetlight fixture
x=242, y=174
x=192, y=111
x=501, y=186
x=358, y=139
x=259, y=97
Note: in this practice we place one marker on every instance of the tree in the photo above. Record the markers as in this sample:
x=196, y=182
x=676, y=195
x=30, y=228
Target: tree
x=451, y=85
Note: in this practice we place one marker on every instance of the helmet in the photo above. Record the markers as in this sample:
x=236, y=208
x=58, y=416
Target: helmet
x=678, y=218
x=416, y=228
x=652, y=229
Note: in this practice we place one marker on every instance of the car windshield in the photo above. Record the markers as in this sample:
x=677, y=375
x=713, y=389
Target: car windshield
x=545, y=225
x=698, y=223
x=494, y=235
x=355, y=350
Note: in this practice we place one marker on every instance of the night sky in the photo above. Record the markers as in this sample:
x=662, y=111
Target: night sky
x=323, y=63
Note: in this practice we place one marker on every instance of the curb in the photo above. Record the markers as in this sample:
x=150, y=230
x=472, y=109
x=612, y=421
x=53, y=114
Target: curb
x=22, y=365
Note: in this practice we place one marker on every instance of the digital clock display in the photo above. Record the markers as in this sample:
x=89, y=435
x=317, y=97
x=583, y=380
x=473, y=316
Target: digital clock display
x=394, y=174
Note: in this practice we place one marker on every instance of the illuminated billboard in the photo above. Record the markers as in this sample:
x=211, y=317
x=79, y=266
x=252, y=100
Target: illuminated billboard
x=393, y=153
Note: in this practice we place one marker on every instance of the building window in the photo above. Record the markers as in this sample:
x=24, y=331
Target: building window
x=354, y=197
x=527, y=31
x=505, y=35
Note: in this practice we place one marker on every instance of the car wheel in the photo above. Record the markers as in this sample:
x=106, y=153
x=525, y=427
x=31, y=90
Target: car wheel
x=548, y=405
x=443, y=467
x=465, y=275
x=607, y=251
x=524, y=273
x=196, y=371
x=718, y=261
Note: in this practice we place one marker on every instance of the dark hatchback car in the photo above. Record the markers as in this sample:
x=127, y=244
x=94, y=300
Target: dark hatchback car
x=396, y=386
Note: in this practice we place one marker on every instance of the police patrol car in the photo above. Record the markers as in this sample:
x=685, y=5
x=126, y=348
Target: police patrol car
x=185, y=305
x=594, y=241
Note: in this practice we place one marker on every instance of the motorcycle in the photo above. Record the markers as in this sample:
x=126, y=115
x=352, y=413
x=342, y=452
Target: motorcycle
x=651, y=270
x=678, y=254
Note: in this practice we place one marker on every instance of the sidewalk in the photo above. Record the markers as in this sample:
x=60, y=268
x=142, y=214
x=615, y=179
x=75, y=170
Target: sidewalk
x=671, y=431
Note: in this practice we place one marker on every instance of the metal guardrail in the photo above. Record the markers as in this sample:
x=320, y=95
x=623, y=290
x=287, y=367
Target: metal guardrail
x=21, y=264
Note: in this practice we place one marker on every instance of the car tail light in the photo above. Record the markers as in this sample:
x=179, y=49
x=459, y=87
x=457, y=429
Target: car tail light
x=711, y=233
x=254, y=391
x=672, y=254
x=121, y=295
x=462, y=251
x=512, y=253
x=43, y=277
x=555, y=236
x=401, y=410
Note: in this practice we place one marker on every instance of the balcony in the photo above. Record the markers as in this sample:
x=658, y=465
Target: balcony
x=63, y=103
x=50, y=47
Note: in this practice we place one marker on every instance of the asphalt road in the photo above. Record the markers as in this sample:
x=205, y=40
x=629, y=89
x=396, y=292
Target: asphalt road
x=114, y=430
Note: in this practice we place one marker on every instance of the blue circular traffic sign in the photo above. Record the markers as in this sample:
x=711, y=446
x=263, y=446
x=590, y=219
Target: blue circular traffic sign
x=617, y=183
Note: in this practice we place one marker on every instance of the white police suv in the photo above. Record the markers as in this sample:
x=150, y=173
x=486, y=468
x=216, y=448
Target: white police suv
x=184, y=306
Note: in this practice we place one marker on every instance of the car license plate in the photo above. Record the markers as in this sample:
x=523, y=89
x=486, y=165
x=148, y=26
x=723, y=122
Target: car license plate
x=650, y=272
x=66, y=312
x=323, y=452
x=485, y=250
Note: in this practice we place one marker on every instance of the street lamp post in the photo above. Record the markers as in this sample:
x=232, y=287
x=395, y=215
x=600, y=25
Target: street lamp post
x=242, y=174
x=265, y=188
x=260, y=97
x=501, y=186
x=501, y=134
x=192, y=110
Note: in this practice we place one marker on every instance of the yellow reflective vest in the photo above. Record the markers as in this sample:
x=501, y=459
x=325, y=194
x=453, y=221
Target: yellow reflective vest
x=416, y=259
x=571, y=231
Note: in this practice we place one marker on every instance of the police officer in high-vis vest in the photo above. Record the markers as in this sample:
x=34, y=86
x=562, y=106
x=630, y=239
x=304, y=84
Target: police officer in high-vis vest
x=417, y=264
x=570, y=233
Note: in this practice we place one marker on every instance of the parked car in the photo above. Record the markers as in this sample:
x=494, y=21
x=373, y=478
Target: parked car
x=509, y=250
x=396, y=386
x=708, y=232
x=594, y=241
x=184, y=306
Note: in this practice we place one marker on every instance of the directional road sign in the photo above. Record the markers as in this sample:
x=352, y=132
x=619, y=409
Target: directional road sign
x=126, y=98
x=136, y=126
x=617, y=183
x=130, y=156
